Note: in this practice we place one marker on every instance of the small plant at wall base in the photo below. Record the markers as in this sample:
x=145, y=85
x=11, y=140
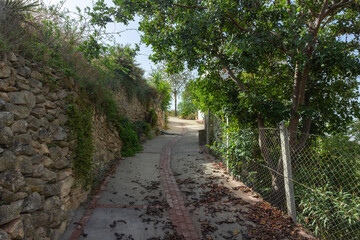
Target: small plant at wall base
x=129, y=137
x=80, y=116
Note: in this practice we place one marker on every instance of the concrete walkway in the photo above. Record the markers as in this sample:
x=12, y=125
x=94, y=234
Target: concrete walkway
x=171, y=190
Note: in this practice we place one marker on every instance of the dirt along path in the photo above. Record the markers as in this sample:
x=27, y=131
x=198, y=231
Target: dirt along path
x=172, y=190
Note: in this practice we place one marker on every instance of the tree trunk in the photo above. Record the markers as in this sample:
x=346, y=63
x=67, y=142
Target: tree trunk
x=298, y=100
x=277, y=195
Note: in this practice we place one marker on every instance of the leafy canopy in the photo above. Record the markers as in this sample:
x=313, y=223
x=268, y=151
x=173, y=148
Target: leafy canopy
x=290, y=60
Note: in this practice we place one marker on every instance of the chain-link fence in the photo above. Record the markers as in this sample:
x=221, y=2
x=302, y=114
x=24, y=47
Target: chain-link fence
x=324, y=174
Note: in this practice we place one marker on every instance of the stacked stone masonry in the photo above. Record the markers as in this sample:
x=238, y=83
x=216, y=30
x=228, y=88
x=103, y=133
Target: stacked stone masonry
x=38, y=194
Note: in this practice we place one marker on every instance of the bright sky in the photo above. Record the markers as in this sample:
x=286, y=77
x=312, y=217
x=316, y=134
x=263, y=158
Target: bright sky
x=128, y=37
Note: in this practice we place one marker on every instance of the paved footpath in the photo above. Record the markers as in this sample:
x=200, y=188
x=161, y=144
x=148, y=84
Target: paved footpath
x=172, y=190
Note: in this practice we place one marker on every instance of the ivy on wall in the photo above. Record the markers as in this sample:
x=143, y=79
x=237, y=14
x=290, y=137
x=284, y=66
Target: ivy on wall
x=80, y=115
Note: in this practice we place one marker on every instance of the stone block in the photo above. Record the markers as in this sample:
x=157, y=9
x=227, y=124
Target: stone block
x=40, y=99
x=52, y=203
x=28, y=227
x=54, y=125
x=6, y=119
x=23, y=149
x=52, y=96
x=61, y=188
x=7, y=161
x=34, y=124
x=35, y=184
x=50, y=105
x=10, y=212
x=23, y=138
x=2, y=104
x=49, y=176
x=43, y=135
x=12, y=57
x=24, y=71
x=4, y=235
x=40, y=219
x=60, y=134
x=22, y=86
x=55, y=153
x=19, y=126
x=36, y=159
x=38, y=112
x=6, y=137
x=36, y=75
x=35, y=83
x=19, y=111
x=15, y=229
x=18, y=196
x=64, y=174
x=44, y=149
x=48, y=162
x=4, y=97
x=61, y=163
x=32, y=203
x=62, y=94
x=5, y=72
x=12, y=180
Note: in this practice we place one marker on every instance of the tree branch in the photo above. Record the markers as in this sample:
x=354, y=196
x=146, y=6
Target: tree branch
x=237, y=24
x=337, y=6
x=189, y=7
x=234, y=78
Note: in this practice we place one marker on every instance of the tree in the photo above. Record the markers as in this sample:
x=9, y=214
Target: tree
x=176, y=80
x=187, y=107
x=296, y=61
x=163, y=89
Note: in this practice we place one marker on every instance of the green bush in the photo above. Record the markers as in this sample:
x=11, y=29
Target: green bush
x=328, y=212
x=142, y=128
x=330, y=168
x=152, y=118
x=128, y=135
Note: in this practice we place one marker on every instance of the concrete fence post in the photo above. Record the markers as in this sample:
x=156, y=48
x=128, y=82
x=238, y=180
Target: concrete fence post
x=227, y=145
x=286, y=159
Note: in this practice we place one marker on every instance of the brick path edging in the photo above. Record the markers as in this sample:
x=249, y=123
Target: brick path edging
x=179, y=214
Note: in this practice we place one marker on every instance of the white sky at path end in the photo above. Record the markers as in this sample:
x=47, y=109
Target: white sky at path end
x=128, y=37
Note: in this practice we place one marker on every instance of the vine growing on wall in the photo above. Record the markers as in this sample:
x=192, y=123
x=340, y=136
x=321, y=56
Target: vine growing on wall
x=80, y=115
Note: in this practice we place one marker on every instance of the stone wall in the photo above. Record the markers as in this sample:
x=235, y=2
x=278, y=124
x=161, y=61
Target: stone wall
x=37, y=187
x=135, y=110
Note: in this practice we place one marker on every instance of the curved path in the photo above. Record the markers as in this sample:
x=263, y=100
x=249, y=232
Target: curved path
x=141, y=200
x=171, y=190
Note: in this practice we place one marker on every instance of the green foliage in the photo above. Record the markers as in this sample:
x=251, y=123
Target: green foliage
x=330, y=167
x=72, y=46
x=152, y=118
x=328, y=212
x=80, y=117
x=162, y=88
x=141, y=128
x=187, y=107
x=128, y=135
x=287, y=60
x=122, y=72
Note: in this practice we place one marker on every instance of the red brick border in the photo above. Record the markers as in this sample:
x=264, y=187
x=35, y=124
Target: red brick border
x=179, y=214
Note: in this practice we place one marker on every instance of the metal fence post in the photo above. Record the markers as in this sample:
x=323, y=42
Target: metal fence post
x=207, y=123
x=286, y=159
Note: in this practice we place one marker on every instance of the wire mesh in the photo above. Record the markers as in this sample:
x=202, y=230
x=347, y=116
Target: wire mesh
x=326, y=175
